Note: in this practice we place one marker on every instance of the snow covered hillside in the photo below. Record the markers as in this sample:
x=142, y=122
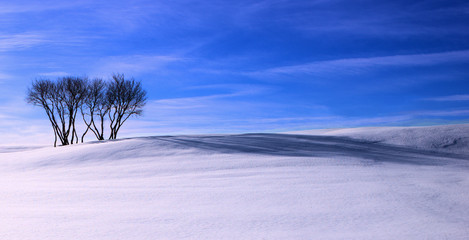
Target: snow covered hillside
x=349, y=184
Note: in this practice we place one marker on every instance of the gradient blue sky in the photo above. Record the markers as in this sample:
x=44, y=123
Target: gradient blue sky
x=244, y=66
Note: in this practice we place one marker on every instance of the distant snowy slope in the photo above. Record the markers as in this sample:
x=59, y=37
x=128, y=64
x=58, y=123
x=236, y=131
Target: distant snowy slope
x=446, y=138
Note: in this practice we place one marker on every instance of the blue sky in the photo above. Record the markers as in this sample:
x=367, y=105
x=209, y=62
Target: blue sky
x=244, y=66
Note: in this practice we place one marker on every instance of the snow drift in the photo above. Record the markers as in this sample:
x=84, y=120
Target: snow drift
x=348, y=184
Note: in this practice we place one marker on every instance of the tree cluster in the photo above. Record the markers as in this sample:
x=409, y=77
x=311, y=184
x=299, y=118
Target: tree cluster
x=99, y=102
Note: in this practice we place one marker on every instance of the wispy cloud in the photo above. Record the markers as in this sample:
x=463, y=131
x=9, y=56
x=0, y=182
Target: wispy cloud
x=400, y=23
x=208, y=101
x=54, y=74
x=384, y=18
x=20, y=41
x=14, y=7
x=4, y=76
x=356, y=65
x=450, y=98
x=18, y=126
x=129, y=15
x=133, y=64
x=187, y=102
x=27, y=40
x=441, y=113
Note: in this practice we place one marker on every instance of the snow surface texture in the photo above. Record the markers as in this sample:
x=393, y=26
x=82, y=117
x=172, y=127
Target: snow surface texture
x=249, y=186
x=446, y=138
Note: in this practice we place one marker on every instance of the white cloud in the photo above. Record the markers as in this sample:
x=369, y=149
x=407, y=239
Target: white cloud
x=4, y=76
x=18, y=127
x=10, y=42
x=354, y=65
x=27, y=40
x=132, y=64
x=14, y=7
x=54, y=74
x=450, y=98
x=463, y=112
x=206, y=101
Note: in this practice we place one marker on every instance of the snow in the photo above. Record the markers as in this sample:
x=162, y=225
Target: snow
x=444, y=138
x=373, y=183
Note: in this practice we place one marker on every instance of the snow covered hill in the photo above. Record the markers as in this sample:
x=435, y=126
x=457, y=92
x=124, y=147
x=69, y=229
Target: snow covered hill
x=372, y=183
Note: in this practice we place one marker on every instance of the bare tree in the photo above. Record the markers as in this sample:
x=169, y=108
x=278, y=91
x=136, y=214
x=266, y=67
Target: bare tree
x=96, y=100
x=42, y=94
x=95, y=108
x=126, y=97
x=61, y=101
x=70, y=93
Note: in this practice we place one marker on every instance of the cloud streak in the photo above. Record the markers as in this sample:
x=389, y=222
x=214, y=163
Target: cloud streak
x=133, y=64
x=356, y=65
x=442, y=113
x=451, y=98
x=47, y=5
x=20, y=41
x=54, y=74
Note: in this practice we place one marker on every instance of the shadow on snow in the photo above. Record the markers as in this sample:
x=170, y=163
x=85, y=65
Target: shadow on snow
x=307, y=145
